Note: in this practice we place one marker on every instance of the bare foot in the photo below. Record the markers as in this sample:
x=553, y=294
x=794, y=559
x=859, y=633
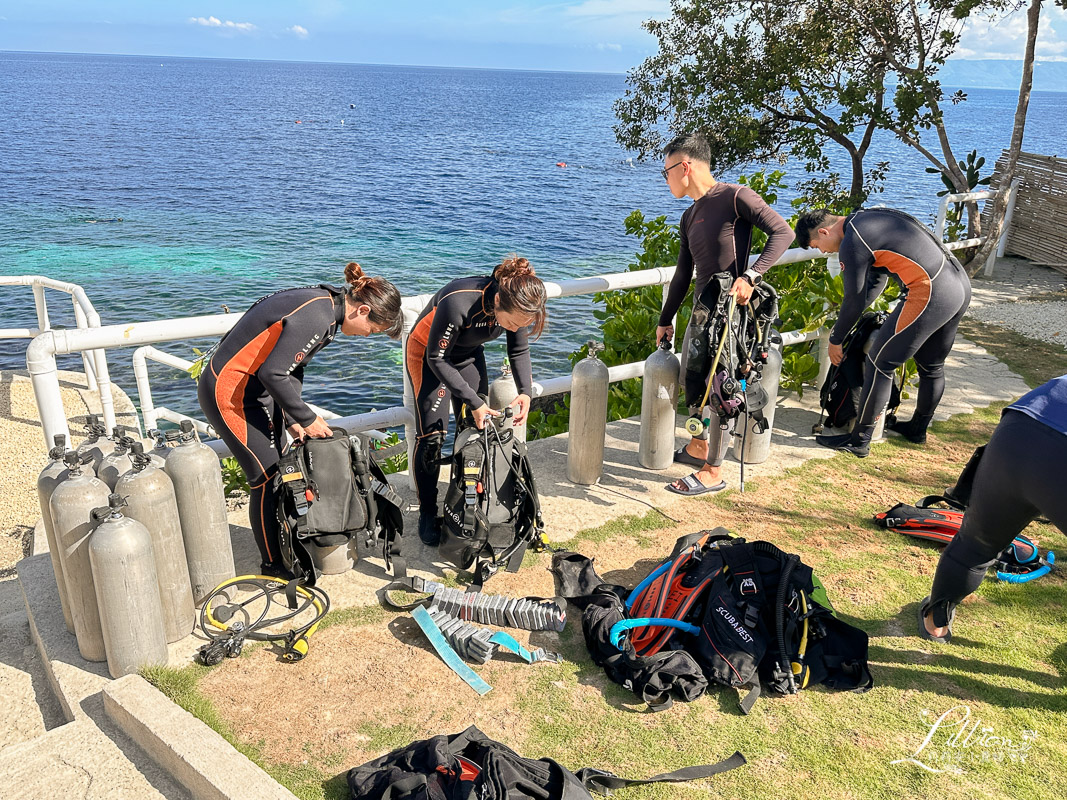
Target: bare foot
x=928, y=621
x=697, y=448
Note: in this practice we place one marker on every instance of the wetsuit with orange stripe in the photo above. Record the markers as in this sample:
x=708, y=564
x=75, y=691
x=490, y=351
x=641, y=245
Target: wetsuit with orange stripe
x=250, y=389
x=879, y=243
x=445, y=363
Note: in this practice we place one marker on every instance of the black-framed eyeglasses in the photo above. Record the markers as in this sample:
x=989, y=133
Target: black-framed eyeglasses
x=664, y=172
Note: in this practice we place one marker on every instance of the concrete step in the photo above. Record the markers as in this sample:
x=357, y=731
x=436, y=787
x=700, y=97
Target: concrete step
x=30, y=707
x=81, y=760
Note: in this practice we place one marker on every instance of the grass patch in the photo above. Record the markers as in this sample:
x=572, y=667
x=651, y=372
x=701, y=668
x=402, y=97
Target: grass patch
x=306, y=780
x=1007, y=665
x=1036, y=361
x=629, y=526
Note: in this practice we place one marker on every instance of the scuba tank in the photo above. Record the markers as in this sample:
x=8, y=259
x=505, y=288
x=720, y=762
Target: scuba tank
x=160, y=448
x=127, y=592
x=197, y=477
x=72, y=505
x=150, y=500
x=502, y=392
x=96, y=442
x=589, y=419
x=116, y=463
x=752, y=442
x=659, y=407
x=51, y=476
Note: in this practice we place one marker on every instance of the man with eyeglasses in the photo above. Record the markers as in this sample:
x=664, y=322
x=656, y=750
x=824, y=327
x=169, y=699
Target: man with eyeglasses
x=716, y=236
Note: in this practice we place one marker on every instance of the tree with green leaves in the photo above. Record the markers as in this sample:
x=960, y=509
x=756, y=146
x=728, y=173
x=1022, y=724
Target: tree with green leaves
x=763, y=81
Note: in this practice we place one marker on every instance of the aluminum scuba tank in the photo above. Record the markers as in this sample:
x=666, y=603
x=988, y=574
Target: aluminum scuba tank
x=96, y=441
x=503, y=391
x=589, y=419
x=150, y=500
x=659, y=407
x=72, y=505
x=116, y=463
x=127, y=592
x=160, y=449
x=51, y=476
x=750, y=443
x=194, y=470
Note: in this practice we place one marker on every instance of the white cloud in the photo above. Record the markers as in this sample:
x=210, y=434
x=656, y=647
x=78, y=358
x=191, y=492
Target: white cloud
x=299, y=31
x=619, y=8
x=605, y=46
x=215, y=22
x=1005, y=37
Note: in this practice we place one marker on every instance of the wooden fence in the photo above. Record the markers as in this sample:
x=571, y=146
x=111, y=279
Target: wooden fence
x=1039, y=225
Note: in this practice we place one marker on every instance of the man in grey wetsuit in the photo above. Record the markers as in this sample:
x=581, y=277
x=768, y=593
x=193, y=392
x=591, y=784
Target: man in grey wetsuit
x=716, y=236
x=1018, y=478
x=875, y=244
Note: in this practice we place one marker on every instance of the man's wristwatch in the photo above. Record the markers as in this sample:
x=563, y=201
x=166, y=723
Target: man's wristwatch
x=754, y=278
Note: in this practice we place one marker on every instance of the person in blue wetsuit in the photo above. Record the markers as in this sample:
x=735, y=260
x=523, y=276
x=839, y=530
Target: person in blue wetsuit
x=1019, y=478
x=875, y=244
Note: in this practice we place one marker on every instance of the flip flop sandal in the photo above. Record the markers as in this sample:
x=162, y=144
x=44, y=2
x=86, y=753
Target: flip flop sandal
x=693, y=486
x=682, y=457
x=924, y=607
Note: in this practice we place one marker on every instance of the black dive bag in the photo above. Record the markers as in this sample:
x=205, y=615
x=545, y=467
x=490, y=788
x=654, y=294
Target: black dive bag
x=329, y=491
x=491, y=511
x=471, y=766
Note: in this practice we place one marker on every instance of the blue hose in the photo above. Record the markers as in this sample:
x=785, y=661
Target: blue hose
x=643, y=584
x=1026, y=577
x=624, y=625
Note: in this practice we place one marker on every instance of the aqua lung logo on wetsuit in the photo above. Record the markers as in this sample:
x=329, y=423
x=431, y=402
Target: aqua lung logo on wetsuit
x=453, y=515
x=440, y=396
x=731, y=620
x=445, y=340
x=299, y=357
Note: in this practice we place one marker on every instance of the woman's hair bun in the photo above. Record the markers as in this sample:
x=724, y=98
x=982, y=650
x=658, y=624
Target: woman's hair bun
x=353, y=272
x=512, y=267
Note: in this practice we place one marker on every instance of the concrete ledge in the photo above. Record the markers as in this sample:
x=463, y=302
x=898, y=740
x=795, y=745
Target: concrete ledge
x=72, y=678
x=193, y=754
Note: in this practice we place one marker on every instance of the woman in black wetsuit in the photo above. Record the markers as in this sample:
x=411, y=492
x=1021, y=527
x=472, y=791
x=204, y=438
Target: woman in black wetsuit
x=250, y=388
x=445, y=363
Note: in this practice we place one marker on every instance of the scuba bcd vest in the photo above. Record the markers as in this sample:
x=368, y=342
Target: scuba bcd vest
x=720, y=610
x=491, y=511
x=330, y=490
x=840, y=393
x=727, y=349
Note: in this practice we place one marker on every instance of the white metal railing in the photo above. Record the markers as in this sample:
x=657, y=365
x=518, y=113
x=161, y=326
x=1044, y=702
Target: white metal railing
x=151, y=414
x=968, y=197
x=94, y=362
x=40, y=355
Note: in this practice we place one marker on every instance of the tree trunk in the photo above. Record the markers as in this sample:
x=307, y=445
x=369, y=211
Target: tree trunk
x=856, y=195
x=1007, y=175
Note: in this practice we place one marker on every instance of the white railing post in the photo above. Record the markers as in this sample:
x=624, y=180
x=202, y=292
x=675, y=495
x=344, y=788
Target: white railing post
x=1009, y=212
x=87, y=358
x=42, y=308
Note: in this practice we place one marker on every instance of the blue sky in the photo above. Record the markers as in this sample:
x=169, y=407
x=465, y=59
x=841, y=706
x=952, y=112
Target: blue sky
x=586, y=35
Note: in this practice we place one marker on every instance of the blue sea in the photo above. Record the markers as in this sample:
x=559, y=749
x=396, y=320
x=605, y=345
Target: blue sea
x=234, y=179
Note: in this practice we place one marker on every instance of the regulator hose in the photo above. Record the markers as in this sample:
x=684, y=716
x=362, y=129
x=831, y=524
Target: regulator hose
x=227, y=637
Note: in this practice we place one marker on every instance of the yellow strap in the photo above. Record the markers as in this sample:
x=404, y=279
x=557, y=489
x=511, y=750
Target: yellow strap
x=292, y=476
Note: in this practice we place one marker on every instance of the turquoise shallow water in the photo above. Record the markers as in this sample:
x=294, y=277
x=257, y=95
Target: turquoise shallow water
x=434, y=173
